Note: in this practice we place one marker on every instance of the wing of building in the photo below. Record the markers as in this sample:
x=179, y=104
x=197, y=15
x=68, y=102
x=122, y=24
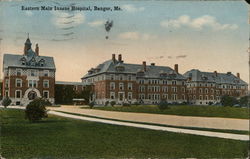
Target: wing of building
x=208, y=87
x=115, y=80
x=28, y=76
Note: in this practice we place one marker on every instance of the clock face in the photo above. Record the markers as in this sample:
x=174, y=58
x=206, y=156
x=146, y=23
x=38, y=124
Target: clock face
x=32, y=95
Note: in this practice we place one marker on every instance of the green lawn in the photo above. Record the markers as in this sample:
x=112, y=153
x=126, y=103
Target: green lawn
x=57, y=137
x=185, y=110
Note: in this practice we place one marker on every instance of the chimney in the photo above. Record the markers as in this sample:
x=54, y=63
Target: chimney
x=120, y=57
x=144, y=65
x=215, y=72
x=37, y=50
x=176, y=68
x=113, y=57
x=238, y=75
x=152, y=64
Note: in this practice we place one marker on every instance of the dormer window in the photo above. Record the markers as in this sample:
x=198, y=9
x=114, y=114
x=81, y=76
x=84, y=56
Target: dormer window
x=23, y=60
x=42, y=62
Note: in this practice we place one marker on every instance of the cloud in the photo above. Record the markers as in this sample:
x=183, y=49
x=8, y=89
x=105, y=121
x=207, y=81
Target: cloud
x=129, y=35
x=61, y=20
x=136, y=36
x=131, y=8
x=29, y=13
x=181, y=56
x=96, y=23
x=198, y=23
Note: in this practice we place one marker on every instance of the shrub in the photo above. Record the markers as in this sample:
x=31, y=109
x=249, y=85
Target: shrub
x=244, y=101
x=91, y=104
x=228, y=100
x=210, y=103
x=125, y=104
x=106, y=103
x=163, y=105
x=112, y=103
x=36, y=110
x=6, y=102
x=136, y=103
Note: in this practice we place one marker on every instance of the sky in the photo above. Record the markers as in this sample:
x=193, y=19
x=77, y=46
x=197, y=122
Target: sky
x=204, y=35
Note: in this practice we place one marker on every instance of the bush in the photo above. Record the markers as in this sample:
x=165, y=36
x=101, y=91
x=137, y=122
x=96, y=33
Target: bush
x=136, y=103
x=36, y=110
x=244, y=101
x=6, y=102
x=91, y=104
x=228, y=100
x=106, y=103
x=112, y=103
x=163, y=105
x=125, y=104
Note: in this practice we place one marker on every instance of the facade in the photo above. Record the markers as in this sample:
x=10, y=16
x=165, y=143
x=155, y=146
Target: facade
x=115, y=80
x=205, y=88
x=28, y=76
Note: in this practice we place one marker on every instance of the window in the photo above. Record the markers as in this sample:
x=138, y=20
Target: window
x=18, y=83
x=121, y=77
x=206, y=91
x=183, y=97
x=201, y=98
x=129, y=78
x=129, y=95
x=194, y=97
x=121, y=86
x=212, y=97
x=46, y=94
x=130, y=86
x=112, y=85
x=18, y=94
x=212, y=91
x=18, y=72
x=112, y=95
x=112, y=77
x=174, y=89
x=173, y=82
x=32, y=73
x=200, y=90
x=164, y=89
x=45, y=83
x=6, y=93
x=174, y=96
x=7, y=83
x=32, y=83
x=46, y=73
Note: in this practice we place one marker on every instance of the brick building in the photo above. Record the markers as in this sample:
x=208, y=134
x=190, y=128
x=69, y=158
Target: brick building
x=205, y=88
x=115, y=80
x=28, y=76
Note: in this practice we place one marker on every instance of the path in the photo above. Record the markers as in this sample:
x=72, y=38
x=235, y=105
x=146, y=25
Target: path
x=174, y=120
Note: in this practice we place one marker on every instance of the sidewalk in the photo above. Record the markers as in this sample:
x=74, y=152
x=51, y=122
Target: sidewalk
x=174, y=120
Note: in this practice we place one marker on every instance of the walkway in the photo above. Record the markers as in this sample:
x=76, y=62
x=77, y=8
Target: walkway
x=174, y=120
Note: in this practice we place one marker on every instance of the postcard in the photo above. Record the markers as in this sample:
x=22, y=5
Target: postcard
x=124, y=79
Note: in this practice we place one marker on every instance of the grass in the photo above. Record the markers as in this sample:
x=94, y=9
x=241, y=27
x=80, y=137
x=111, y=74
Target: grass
x=57, y=137
x=184, y=110
x=182, y=127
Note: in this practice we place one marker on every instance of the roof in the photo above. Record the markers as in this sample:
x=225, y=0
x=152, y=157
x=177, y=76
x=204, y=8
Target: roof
x=13, y=60
x=221, y=78
x=68, y=83
x=151, y=71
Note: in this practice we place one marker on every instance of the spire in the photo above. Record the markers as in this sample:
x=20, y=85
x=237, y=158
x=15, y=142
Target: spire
x=27, y=45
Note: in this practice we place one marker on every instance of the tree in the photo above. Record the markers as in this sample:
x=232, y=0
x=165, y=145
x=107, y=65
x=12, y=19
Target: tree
x=6, y=102
x=36, y=110
x=112, y=103
x=91, y=104
x=228, y=100
x=163, y=105
x=244, y=101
